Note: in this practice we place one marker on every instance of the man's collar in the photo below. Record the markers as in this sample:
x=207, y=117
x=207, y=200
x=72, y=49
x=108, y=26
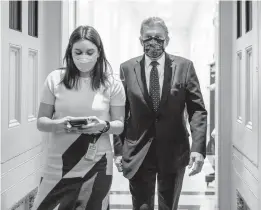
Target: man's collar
x=161, y=60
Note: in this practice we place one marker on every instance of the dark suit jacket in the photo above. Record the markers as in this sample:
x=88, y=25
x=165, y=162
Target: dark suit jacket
x=180, y=88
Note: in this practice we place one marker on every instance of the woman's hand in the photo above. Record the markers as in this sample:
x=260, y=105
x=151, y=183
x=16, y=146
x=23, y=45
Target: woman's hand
x=94, y=126
x=62, y=125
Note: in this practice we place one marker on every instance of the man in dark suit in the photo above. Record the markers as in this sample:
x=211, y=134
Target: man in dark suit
x=155, y=139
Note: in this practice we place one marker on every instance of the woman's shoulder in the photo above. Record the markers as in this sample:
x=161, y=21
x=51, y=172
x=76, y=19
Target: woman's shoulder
x=114, y=79
x=56, y=75
x=114, y=83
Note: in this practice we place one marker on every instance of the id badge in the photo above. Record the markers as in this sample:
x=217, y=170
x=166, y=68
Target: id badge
x=91, y=152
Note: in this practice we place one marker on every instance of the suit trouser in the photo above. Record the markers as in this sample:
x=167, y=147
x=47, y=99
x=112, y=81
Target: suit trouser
x=142, y=186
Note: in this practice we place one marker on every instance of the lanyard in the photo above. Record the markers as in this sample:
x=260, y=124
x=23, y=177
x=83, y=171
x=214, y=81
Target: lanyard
x=95, y=138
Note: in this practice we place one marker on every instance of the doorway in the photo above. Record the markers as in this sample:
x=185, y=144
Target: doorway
x=192, y=35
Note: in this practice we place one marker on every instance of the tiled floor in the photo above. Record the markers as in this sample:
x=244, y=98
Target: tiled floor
x=195, y=193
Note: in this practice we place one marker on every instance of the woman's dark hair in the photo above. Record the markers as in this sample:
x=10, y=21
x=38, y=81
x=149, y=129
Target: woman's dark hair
x=99, y=74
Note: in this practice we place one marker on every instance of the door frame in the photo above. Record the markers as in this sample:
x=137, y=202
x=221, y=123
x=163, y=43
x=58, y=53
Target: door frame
x=259, y=89
x=223, y=120
x=69, y=20
x=0, y=90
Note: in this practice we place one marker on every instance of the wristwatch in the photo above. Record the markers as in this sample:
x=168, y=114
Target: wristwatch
x=106, y=128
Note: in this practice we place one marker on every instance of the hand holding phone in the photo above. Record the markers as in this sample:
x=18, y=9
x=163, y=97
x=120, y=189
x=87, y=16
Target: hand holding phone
x=78, y=122
x=93, y=125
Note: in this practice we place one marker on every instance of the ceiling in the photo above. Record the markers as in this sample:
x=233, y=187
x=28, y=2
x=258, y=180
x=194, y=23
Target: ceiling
x=176, y=14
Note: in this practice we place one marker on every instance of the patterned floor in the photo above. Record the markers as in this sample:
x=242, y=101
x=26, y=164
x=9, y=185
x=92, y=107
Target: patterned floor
x=195, y=193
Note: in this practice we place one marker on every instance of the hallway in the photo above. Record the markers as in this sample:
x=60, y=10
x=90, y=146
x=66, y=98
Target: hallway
x=222, y=38
x=195, y=194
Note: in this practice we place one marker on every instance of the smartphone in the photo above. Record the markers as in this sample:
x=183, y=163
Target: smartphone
x=78, y=123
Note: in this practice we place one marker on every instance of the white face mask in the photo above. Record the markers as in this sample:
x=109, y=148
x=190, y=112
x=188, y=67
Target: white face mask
x=85, y=63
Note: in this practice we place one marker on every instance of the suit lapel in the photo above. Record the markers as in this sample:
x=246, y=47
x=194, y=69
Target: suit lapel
x=169, y=73
x=141, y=78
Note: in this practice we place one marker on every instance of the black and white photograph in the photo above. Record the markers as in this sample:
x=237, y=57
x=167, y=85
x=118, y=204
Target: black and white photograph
x=130, y=104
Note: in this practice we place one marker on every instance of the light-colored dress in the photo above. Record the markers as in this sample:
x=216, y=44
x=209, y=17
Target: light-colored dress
x=69, y=180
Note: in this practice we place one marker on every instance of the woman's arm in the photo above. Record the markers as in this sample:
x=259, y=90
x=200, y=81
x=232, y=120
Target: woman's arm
x=117, y=107
x=117, y=120
x=45, y=123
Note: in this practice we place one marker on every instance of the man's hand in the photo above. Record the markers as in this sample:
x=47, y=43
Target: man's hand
x=118, y=162
x=198, y=161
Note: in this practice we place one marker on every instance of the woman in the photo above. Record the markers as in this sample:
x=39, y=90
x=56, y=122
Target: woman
x=78, y=169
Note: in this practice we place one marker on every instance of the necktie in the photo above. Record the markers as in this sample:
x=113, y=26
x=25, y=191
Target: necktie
x=154, y=89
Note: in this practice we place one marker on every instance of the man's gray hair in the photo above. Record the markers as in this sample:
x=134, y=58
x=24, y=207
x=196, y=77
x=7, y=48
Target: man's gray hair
x=152, y=21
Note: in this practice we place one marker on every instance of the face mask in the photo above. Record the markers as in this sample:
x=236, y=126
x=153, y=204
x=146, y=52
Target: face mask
x=85, y=63
x=153, y=47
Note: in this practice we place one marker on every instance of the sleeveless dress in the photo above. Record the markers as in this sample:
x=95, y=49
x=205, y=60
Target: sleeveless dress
x=69, y=180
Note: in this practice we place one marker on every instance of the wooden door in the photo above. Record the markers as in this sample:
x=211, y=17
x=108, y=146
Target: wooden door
x=245, y=108
x=21, y=48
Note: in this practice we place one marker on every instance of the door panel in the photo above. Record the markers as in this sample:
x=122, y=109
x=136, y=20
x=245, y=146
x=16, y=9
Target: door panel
x=245, y=122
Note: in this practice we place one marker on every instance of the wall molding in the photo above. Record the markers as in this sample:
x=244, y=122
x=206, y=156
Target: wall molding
x=235, y=147
x=22, y=163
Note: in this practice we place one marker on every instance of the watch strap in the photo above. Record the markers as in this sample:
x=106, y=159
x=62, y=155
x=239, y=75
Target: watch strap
x=106, y=128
